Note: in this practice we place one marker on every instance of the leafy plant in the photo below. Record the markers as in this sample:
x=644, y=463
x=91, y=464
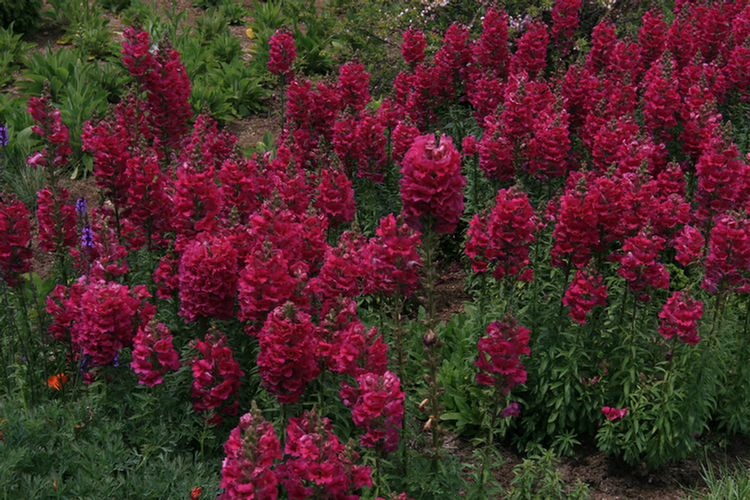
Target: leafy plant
x=226, y=48
x=727, y=484
x=234, y=12
x=13, y=47
x=241, y=87
x=115, y=5
x=210, y=25
x=538, y=478
x=24, y=15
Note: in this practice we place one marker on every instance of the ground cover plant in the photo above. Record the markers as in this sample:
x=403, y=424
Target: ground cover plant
x=267, y=325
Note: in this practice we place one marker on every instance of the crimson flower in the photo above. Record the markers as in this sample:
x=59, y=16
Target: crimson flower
x=282, y=52
x=379, y=410
x=500, y=239
x=153, y=354
x=49, y=125
x=57, y=220
x=208, y=278
x=320, y=463
x=15, y=236
x=500, y=352
x=393, y=257
x=432, y=182
x=614, y=413
x=287, y=360
x=246, y=472
x=413, y=47
x=216, y=376
x=512, y=410
x=585, y=291
x=98, y=317
x=681, y=314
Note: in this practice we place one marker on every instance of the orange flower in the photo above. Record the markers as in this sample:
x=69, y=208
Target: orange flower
x=195, y=494
x=56, y=381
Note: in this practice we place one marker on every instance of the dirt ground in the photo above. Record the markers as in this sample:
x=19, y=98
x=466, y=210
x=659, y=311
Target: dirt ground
x=608, y=479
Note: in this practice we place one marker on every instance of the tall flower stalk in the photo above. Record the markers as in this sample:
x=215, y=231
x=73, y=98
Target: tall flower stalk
x=432, y=203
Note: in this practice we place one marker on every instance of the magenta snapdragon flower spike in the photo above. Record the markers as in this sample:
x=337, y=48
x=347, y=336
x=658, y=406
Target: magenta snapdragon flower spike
x=585, y=291
x=335, y=196
x=531, y=54
x=680, y=317
x=320, y=466
x=15, y=237
x=379, y=410
x=393, y=256
x=564, y=23
x=638, y=264
x=247, y=471
x=614, y=413
x=49, y=125
x=208, y=277
x=352, y=87
x=412, y=48
x=432, y=183
x=216, y=376
x=500, y=353
x=153, y=354
x=491, y=52
x=282, y=54
x=98, y=317
x=500, y=239
x=287, y=360
x=159, y=71
x=728, y=254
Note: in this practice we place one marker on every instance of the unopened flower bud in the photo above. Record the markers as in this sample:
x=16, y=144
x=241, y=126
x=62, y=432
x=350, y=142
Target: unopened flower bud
x=430, y=338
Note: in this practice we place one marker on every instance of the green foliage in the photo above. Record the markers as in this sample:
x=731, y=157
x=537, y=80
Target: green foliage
x=233, y=12
x=538, y=478
x=226, y=48
x=204, y=4
x=79, y=449
x=115, y=5
x=728, y=484
x=210, y=25
x=13, y=47
x=16, y=173
x=241, y=87
x=23, y=15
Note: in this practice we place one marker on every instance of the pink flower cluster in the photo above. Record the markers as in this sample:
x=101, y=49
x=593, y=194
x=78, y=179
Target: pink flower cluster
x=680, y=317
x=394, y=258
x=431, y=184
x=98, y=317
x=499, y=355
x=247, y=471
x=282, y=52
x=379, y=410
x=208, y=278
x=163, y=77
x=57, y=220
x=728, y=254
x=287, y=359
x=585, y=291
x=500, y=240
x=153, y=354
x=216, y=376
x=49, y=125
x=15, y=236
x=614, y=413
x=321, y=464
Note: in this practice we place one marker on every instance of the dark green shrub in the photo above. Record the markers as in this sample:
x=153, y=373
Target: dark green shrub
x=26, y=14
